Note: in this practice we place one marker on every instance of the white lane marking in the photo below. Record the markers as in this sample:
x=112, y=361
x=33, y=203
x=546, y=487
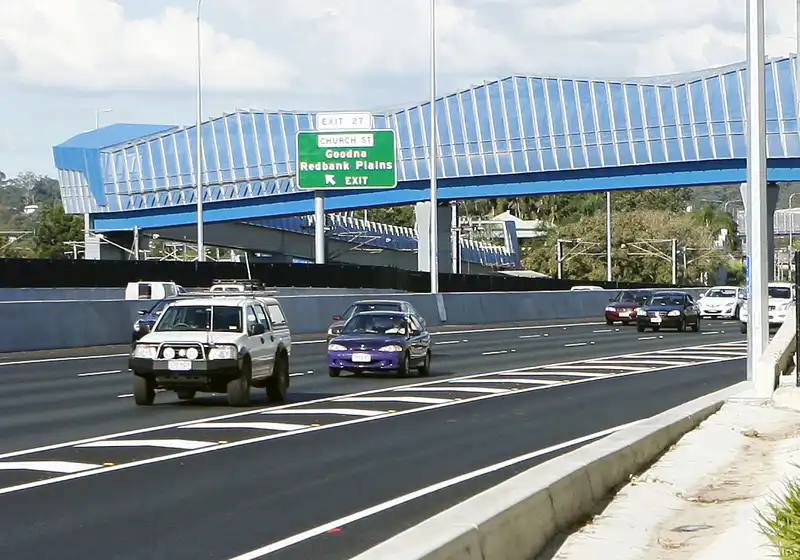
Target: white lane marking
x=275, y=426
x=590, y=366
x=494, y=353
x=92, y=374
x=125, y=396
x=400, y=500
x=305, y=342
x=412, y=387
x=557, y=373
x=519, y=381
x=296, y=374
x=67, y=467
x=165, y=443
x=530, y=336
x=333, y=411
x=603, y=330
x=644, y=361
x=269, y=437
x=448, y=342
x=710, y=332
x=648, y=337
x=573, y=344
x=418, y=400
x=442, y=388
x=704, y=353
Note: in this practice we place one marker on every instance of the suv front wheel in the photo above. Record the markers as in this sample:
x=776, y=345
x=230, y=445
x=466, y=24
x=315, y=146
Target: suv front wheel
x=239, y=388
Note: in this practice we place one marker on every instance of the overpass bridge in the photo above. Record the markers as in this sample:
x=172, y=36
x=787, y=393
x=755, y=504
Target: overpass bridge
x=520, y=135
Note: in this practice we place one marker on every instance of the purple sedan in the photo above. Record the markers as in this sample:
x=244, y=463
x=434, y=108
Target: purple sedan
x=381, y=341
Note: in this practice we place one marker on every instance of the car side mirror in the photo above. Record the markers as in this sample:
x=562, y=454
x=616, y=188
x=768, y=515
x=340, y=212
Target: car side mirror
x=337, y=317
x=141, y=312
x=144, y=329
x=257, y=329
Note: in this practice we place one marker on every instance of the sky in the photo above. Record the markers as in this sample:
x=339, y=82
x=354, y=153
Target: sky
x=62, y=61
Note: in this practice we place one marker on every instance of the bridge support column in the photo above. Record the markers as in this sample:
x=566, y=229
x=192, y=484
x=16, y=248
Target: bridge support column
x=444, y=230
x=772, y=203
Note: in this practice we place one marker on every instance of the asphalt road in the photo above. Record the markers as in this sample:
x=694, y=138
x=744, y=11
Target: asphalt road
x=217, y=486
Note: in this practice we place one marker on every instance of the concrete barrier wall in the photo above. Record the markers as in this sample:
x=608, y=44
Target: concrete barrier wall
x=83, y=294
x=517, y=519
x=45, y=325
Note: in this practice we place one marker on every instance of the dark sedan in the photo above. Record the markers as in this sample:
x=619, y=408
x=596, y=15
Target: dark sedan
x=381, y=341
x=668, y=310
x=622, y=307
x=372, y=305
x=148, y=318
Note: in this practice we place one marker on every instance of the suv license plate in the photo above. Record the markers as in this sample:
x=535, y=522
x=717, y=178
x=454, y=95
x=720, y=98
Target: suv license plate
x=361, y=358
x=179, y=365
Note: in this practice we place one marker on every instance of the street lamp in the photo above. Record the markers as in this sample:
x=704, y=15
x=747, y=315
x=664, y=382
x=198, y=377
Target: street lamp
x=434, y=222
x=97, y=116
x=201, y=251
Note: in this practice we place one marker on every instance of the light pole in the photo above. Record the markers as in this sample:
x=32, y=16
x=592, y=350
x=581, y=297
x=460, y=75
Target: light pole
x=434, y=225
x=791, y=216
x=608, y=235
x=758, y=333
x=98, y=111
x=201, y=250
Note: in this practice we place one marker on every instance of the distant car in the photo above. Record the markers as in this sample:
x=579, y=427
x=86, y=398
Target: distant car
x=668, y=309
x=373, y=305
x=148, y=318
x=721, y=302
x=781, y=301
x=623, y=306
x=381, y=341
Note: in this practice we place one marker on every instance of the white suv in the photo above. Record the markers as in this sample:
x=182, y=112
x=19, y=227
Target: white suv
x=222, y=344
x=781, y=302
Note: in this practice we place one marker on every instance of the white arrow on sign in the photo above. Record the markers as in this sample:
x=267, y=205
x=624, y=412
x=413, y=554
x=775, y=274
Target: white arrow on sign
x=329, y=180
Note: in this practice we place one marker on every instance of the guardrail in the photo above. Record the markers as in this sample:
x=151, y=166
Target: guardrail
x=517, y=519
x=46, y=325
x=778, y=358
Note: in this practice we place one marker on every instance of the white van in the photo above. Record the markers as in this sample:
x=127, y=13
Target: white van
x=152, y=290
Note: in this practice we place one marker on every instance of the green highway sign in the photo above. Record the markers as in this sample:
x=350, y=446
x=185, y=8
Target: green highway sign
x=363, y=159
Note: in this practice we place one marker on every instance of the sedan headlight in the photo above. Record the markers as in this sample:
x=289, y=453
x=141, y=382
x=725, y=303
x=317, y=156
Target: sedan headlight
x=336, y=348
x=145, y=351
x=223, y=352
x=609, y=308
x=674, y=313
x=391, y=348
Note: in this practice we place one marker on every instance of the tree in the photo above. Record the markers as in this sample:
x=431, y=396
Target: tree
x=53, y=228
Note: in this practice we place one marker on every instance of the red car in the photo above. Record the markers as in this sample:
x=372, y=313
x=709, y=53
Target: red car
x=622, y=307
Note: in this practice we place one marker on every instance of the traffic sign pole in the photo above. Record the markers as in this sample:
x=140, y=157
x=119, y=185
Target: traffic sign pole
x=319, y=227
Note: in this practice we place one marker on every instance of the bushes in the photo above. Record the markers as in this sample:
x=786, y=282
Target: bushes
x=781, y=523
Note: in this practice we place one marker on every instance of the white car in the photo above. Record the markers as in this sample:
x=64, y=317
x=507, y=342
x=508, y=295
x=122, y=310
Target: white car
x=218, y=344
x=781, y=302
x=721, y=302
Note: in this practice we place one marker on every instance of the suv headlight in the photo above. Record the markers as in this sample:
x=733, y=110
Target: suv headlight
x=336, y=348
x=391, y=348
x=223, y=352
x=145, y=351
x=674, y=313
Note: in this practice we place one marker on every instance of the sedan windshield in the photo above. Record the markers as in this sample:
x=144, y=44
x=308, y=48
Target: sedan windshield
x=361, y=307
x=780, y=292
x=375, y=324
x=666, y=300
x=201, y=318
x=159, y=307
x=721, y=293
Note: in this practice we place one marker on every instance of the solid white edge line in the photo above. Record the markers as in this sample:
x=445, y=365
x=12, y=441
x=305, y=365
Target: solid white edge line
x=92, y=374
x=331, y=411
x=180, y=455
x=275, y=426
x=49, y=466
x=305, y=342
x=410, y=386
x=400, y=500
x=163, y=443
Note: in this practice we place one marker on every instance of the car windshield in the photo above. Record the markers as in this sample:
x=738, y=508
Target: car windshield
x=375, y=324
x=361, y=307
x=214, y=318
x=670, y=299
x=721, y=293
x=780, y=292
x=159, y=307
x=627, y=297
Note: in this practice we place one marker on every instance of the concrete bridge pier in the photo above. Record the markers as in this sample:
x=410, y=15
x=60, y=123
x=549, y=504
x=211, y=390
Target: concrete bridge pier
x=772, y=203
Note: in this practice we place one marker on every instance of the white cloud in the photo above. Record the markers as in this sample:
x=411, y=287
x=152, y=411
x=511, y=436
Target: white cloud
x=90, y=45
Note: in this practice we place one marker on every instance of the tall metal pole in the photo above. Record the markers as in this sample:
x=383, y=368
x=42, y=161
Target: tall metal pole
x=608, y=236
x=559, y=259
x=201, y=249
x=432, y=165
x=319, y=227
x=758, y=333
x=674, y=262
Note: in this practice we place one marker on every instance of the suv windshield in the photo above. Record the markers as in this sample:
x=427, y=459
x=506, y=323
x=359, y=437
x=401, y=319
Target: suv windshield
x=375, y=324
x=215, y=318
x=361, y=307
x=721, y=293
x=780, y=292
x=670, y=299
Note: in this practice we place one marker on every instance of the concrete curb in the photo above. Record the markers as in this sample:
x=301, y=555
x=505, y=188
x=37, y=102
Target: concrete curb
x=517, y=519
